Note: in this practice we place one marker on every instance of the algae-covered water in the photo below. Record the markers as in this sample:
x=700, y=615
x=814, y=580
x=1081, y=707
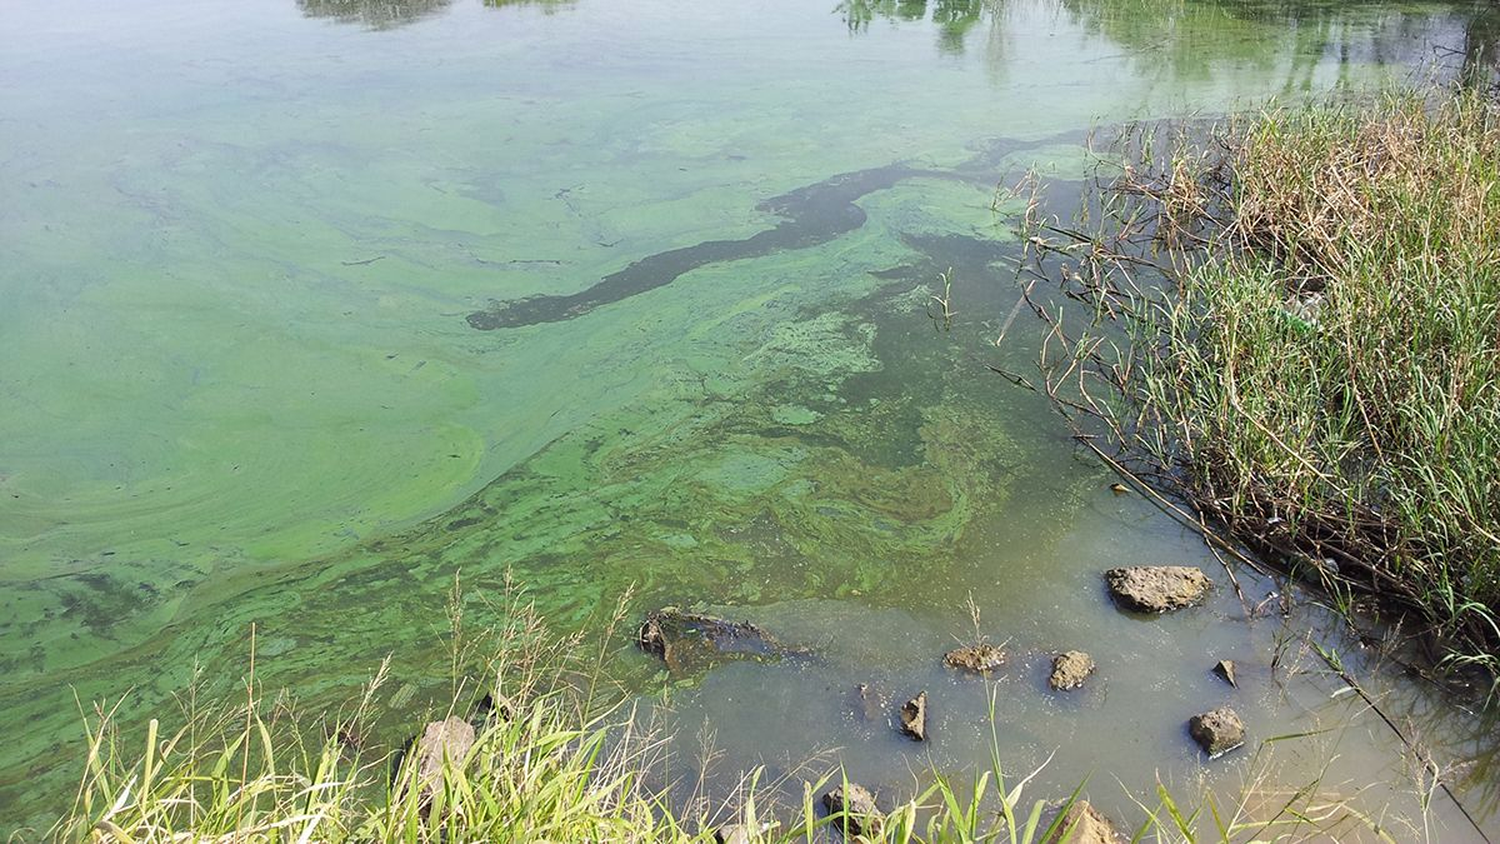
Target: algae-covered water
x=307, y=307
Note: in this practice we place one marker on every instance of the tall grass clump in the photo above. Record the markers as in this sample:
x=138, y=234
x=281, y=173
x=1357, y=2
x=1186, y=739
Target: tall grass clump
x=544, y=773
x=1293, y=324
x=554, y=758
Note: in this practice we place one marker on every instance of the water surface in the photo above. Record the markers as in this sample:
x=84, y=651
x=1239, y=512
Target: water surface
x=310, y=306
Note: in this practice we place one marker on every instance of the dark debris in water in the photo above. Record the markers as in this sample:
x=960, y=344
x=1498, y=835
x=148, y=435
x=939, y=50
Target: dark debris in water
x=688, y=641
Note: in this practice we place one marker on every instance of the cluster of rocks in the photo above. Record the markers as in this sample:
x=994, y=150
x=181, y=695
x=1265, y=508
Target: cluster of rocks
x=854, y=807
x=682, y=638
x=1069, y=671
x=1160, y=589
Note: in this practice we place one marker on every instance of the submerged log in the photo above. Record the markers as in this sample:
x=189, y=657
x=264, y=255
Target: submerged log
x=687, y=641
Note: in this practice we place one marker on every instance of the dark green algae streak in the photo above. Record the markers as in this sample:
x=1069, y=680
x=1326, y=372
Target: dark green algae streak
x=813, y=215
x=852, y=464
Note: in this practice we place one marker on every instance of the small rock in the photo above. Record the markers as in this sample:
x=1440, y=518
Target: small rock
x=1083, y=824
x=977, y=658
x=1157, y=588
x=1217, y=731
x=857, y=805
x=914, y=717
x=1070, y=669
x=1225, y=669
x=449, y=740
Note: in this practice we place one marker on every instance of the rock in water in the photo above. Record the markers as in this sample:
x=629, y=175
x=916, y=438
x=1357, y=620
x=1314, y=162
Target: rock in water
x=686, y=641
x=1225, y=669
x=1083, y=824
x=1157, y=588
x=1217, y=731
x=450, y=740
x=1070, y=669
x=732, y=834
x=857, y=806
x=914, y=717
x=977, y=658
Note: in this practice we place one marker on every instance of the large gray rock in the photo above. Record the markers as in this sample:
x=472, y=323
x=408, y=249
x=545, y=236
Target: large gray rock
x=1157, y=588
x=1070, y=670
x=856, y=805
x=1217, y=731
x=442, y=742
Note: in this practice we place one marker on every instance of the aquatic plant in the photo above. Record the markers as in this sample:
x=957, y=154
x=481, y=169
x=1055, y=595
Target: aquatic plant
x=1292, y=328
x=944, y=316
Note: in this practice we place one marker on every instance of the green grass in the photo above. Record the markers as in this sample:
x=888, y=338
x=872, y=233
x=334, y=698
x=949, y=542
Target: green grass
x=1309, y=301
x=564, y=758
x=546, y=774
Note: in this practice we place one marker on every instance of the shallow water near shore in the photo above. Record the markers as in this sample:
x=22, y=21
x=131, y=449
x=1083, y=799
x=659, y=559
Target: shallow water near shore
x=310, y=308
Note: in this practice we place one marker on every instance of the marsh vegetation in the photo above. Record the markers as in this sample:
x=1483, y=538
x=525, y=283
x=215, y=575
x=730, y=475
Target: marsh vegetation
x=1307, y=301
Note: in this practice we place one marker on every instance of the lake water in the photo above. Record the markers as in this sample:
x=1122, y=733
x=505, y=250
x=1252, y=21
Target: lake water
x=307, y=307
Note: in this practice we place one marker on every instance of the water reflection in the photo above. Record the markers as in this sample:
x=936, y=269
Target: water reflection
x=373, y=14
x=1166, y=38
x=388, y=14
x=1462, y=43
x=952, y=18
x=547, y=7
